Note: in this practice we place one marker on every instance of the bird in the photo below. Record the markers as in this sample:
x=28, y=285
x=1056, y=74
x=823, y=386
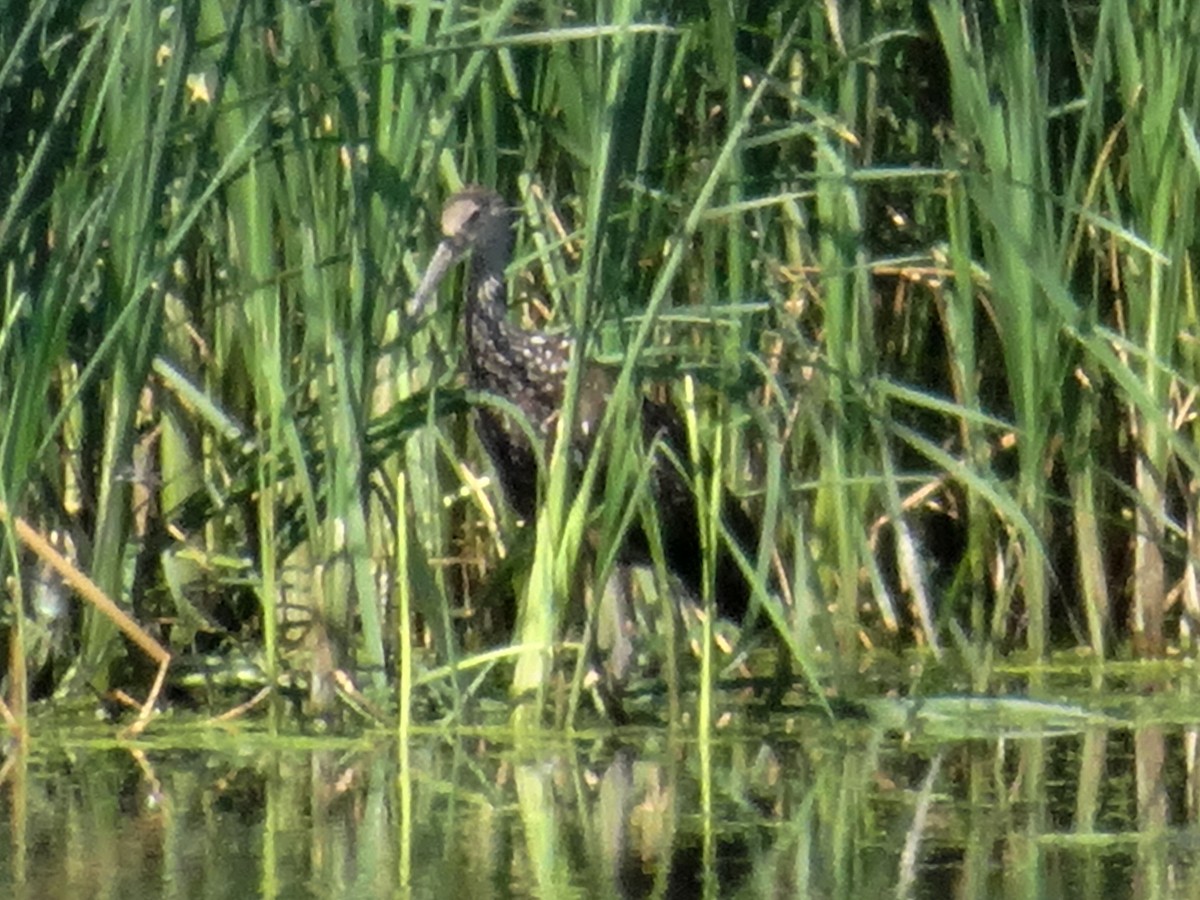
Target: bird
x=528, y=367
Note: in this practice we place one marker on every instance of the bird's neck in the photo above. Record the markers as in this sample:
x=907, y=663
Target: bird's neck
x=488, y=331
x=487, y=291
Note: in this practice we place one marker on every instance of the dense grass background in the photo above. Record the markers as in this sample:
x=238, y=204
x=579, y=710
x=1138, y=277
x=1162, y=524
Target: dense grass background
x=918, y=276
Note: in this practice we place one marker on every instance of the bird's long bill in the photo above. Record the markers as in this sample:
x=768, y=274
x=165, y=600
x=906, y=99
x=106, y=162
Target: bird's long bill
x=443, y=258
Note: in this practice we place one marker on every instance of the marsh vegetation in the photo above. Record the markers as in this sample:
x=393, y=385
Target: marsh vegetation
x=915, y=277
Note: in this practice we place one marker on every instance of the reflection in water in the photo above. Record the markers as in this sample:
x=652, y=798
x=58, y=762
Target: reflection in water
x=837, y=811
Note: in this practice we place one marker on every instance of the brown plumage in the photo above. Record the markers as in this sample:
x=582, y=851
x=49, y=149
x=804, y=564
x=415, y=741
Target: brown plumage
x=529, y=369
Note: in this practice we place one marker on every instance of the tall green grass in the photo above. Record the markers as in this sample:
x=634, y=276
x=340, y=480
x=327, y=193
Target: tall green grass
x=923, y=296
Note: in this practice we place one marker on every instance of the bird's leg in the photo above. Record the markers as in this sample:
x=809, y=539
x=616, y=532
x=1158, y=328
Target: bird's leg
x=612, y=620
x=607, y=647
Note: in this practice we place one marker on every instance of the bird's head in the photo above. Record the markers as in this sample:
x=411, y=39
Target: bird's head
x=476, y=218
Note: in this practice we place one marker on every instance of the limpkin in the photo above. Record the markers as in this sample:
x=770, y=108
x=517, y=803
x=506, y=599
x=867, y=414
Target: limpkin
x=529, y=368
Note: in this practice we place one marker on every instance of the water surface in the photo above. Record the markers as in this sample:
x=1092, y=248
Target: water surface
x=1030, y=800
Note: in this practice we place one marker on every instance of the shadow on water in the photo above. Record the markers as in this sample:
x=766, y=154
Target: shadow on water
x=816, y=809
